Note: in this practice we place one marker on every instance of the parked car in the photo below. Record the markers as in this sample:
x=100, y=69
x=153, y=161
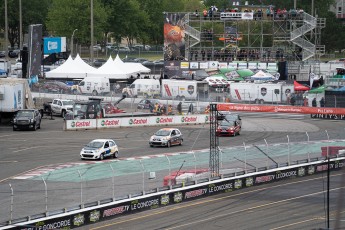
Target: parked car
x=145, y=103
x=55, y=87
x=14, y=53
x=97, y=47
x=99, y=62
x=166, y=137
x=2, y=54
x=129, y=59
x=140, y=60
x=99, y=149
x=228, y=128
x=27, y=119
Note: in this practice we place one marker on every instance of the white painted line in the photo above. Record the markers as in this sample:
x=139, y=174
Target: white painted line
x=22, y=177
x=21, y=150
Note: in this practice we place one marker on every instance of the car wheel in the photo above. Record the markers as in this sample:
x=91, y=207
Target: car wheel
x=14, y=129
x=168, y=144
x=116, y=154
x=181, y=141
x=34, y=128
x=101, y=157
x=151, y=146
x=63, y=113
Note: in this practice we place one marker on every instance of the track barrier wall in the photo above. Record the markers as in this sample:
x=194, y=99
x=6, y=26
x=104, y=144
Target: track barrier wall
x=177, y=194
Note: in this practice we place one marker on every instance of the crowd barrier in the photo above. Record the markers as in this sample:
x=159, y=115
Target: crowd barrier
x=102, y=123
x=176, y=194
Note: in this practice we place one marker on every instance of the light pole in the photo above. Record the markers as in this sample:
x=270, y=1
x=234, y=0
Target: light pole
x=72, y=41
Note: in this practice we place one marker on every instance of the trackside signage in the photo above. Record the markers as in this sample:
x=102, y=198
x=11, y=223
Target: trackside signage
x=102, y=123
x=175, y=196
x=81, y=124
x=109, y=123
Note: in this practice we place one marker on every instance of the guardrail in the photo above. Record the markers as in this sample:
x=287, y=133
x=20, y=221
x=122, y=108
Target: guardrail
x=170, y=195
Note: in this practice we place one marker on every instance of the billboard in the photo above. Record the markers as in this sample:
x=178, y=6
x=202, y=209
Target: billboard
x=174, y=36
x=35, y=52
x=54, y=45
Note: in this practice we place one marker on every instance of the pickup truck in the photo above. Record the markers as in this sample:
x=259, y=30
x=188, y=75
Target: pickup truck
x=59, y=106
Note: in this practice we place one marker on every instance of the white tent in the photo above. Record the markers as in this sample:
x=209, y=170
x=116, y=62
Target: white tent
x=110, y=70
x=71, y=69
x=136, y=67
x=261, y=75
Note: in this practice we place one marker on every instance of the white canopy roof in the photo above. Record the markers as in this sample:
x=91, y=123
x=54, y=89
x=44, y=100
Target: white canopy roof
x=113, y=71
x=261, y=75
x=136, y=67
x=76, y=68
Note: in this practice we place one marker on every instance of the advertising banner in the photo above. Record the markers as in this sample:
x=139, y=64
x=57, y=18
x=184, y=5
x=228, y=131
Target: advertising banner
x=232, y=65
x=203, y=65
x=174, y=36
x=280, y=109
x=213, y=64
x=252, y=65
x=223, y=65
x=135, y=121
x=54, y=45
x=172, y=69
x=162, y=120
x=262, y=65
x=194, y=65
x=242, y=65
x=184, y=65
x=81, y=124
x=35, y=54
x=109, y=122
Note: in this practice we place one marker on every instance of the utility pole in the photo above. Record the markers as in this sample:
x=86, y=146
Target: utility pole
x=6, y=31
x=91, y=47
x=20, y=26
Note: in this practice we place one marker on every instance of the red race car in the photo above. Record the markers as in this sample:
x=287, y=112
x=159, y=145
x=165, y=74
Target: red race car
x=228, y=128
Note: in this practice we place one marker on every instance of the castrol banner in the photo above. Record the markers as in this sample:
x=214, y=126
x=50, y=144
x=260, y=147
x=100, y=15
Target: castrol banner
x=81, y=124
x=108, y=123
x=279, y=109
x=103, y=123
x=135, y=121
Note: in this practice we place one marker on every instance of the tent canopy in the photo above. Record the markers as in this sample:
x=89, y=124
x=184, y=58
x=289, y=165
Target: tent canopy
x=300, y=87
x=261, y=75
x=320, y=89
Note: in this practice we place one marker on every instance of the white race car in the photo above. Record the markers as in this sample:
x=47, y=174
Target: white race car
x=100, y=149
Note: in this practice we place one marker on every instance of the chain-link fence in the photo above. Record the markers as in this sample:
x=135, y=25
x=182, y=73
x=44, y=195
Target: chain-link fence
x=63, y=187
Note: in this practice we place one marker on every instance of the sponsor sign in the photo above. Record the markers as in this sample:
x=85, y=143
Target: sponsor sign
x=81, y=124
x=78, y=220
x=177, y=197
x=223, y=65
x=232, y=65
x=189, y=119
x=252, y=65
x=184, y=65
x=280, y=109
x=247, y=16
x=262, y=65
x=165, y=200
x=217, y=188
x=329, y=116
x=94, y=216
x=213, y=65
x=194, y=65
x=242, y=65
x=114, y=211
x=108, y=122
x=203, y=65
x=162, y=120
x=54, y=45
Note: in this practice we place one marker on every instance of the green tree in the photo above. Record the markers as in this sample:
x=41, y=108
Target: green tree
x=30, y=16
x=64, y=16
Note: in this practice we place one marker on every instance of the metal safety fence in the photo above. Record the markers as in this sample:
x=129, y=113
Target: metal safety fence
x=61, y=188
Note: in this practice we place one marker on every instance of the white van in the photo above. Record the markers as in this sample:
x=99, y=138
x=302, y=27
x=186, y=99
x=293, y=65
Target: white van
x=143, y=87
x=94, y=85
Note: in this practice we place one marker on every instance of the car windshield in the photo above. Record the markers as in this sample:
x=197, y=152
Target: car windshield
x=231, y=117
x=95, y=144
x=227, y=123
x=162, y=132
x=29, y=114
